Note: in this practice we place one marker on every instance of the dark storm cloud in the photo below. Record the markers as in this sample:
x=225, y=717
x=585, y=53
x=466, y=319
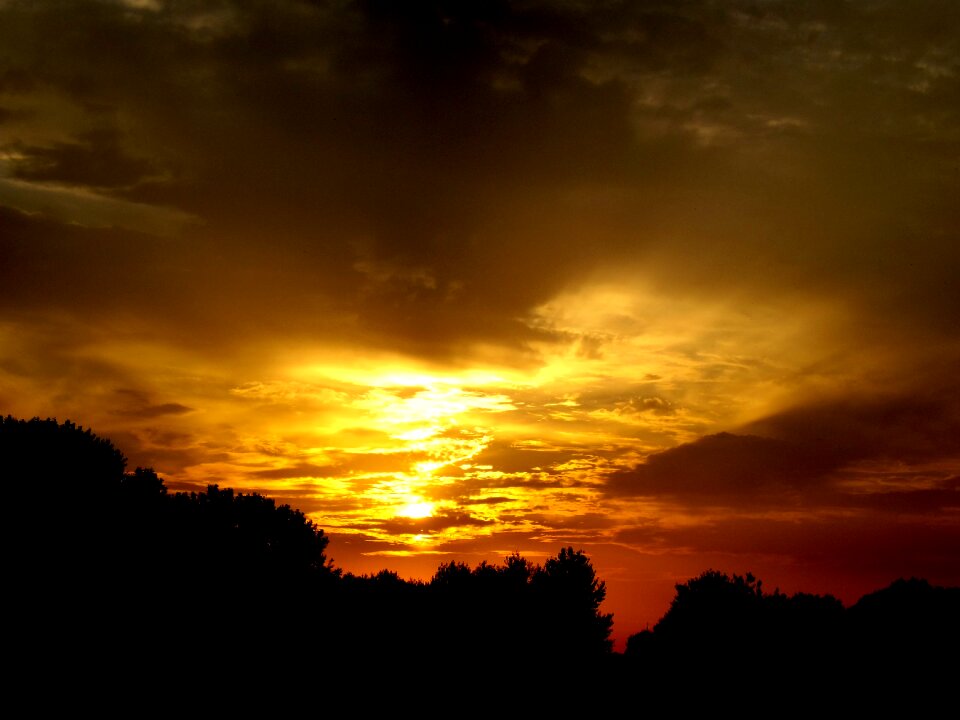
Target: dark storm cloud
x=425, y=173
x=908, y=428
x=725, y=467
x=797, y=453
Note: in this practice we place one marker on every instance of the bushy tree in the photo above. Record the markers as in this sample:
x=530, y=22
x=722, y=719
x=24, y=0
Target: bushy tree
x=712, y=606
x=724, y=629
x=569, y=595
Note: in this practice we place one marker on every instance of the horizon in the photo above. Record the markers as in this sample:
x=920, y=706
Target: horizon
x=425, y=572
x=673, y=283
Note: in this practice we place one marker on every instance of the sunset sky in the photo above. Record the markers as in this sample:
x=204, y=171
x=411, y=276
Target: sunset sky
x=672, y=282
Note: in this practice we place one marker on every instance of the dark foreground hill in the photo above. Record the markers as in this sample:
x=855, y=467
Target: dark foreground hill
x=108, y=565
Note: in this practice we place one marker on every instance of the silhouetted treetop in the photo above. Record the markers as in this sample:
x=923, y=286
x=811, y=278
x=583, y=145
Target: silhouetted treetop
x=712, y=603
x=60, y=453
x=572, y=573
x=908, y=611
x=121, y=523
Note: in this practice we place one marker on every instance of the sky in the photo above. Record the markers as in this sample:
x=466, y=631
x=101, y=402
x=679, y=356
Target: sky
x=675, y=283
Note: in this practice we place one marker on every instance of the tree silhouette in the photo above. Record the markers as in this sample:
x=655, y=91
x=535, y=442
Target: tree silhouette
x=104, y=557
x=570, y=594
x=724, y=631
x=908, y=630
x=713, y=609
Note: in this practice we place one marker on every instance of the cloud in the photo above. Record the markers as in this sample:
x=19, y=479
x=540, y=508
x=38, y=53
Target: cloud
x=588, y=522
x=152, y=411
x=165, y=451
x=427, y=173
x=649, y=403
x=346, y=464
x=295, y=471
x=422, y=526
x=492, y=500
x=725, y=467
x=510, y=458
x=798, y=453
x=136, y=404
x=914, y=427
x=95, y=160
x=932, y=500
x=90, y=273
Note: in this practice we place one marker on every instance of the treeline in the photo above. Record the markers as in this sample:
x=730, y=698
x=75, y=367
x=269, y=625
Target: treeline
x=223, y=579
x=726, y=632
x=109, y=559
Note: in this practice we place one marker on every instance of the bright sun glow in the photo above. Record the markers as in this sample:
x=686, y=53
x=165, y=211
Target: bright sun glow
x=416, y=510
x=382, y=445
